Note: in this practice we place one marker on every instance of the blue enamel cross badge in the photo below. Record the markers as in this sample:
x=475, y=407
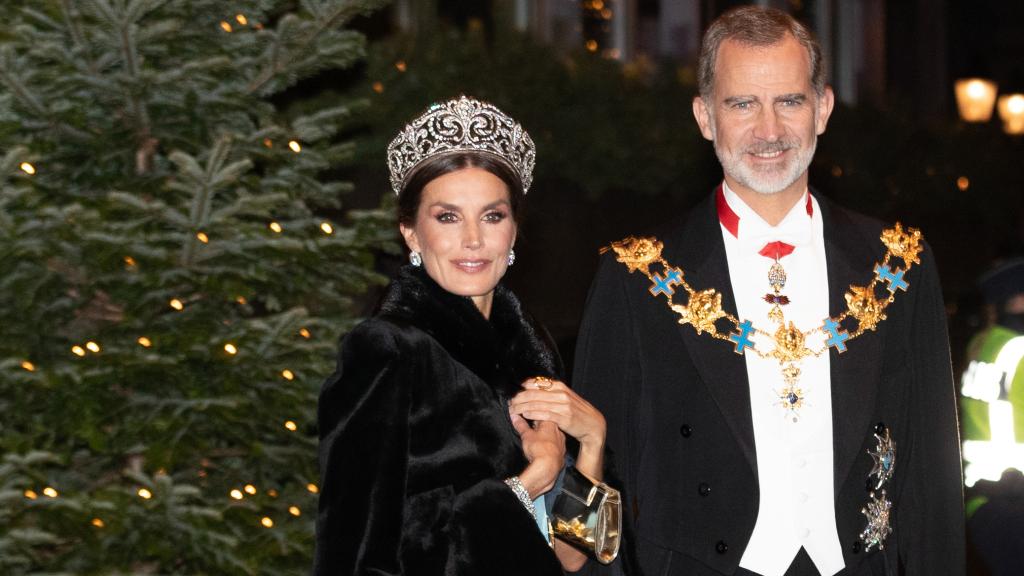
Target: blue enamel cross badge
x=895, y=279
x=742, y=338
x=673, y=277
x=836, y=337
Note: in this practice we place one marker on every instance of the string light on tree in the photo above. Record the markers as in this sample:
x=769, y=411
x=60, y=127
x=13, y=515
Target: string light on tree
x=378, y=87
x=177, y=304
x=963, y=183
x=237, y=494
x=144, y=342
x=272, y=493
x=129, y=261
x=305, y=333
x=27, y=168
x=230, y=348
x=93, y=347
x=97, y=522
x=241, y=19
x=250, y=489
x=225, y=25
x=203, y=237
x=241, y=300
x=31, y=494
x=78, y=350
x=268, y=142
x=295, y=146
x=327, y=228
x=291, y=425
x=50, y=492
x=312, y=488
x=287, y=374
x=267, y=522
x=294, y=511
x=144, y=494
x=400, y=65
x=275, y=227
x=28, y=366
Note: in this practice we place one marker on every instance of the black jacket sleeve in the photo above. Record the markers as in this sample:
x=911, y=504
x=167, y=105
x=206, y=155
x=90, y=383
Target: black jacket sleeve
x=931, y=539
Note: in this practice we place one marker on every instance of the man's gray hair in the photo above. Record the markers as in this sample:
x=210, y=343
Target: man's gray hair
x=755, y=26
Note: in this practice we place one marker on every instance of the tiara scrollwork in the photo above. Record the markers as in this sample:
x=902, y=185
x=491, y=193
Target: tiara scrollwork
x=461, y=125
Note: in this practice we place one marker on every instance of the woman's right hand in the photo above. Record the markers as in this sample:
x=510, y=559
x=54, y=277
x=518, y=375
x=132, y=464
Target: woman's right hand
x=544, y=448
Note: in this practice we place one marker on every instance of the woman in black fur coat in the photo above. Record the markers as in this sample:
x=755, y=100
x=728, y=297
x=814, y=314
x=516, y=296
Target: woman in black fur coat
x=428, y=463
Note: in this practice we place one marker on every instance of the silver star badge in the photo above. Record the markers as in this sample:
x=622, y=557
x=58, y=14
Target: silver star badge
x=884, y=457
x=877, y=513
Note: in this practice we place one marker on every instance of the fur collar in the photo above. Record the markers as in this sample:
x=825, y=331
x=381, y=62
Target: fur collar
x=503, y=350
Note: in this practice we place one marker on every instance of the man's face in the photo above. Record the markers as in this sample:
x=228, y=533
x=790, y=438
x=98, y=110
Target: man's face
x=764, y=116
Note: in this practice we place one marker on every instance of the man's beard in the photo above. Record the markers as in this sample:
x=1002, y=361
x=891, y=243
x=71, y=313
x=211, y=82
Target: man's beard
x=768, y=179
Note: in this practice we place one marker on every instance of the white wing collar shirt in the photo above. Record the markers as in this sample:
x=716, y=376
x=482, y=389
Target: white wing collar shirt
x=794, y=449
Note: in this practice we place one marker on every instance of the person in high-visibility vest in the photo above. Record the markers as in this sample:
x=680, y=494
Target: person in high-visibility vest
x=992, y=386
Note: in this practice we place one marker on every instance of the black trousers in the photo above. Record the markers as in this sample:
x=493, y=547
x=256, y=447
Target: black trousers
x=801, y=566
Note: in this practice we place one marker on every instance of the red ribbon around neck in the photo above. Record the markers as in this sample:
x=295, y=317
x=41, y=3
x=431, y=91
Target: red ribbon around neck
x=776, y=250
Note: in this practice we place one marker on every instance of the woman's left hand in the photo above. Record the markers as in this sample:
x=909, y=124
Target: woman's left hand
x=550, y=400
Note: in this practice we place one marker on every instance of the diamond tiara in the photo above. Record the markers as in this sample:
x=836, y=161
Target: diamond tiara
x=461, y=125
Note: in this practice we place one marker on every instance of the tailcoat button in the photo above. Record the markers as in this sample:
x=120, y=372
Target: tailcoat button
x=685, y=430
x=703, y=489
x=721, y=547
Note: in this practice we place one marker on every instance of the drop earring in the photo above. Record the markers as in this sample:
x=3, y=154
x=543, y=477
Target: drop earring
x=415, y=259
x=511, y=256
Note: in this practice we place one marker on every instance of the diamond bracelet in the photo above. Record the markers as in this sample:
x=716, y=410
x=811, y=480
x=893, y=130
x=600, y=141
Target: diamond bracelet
x=521, y=493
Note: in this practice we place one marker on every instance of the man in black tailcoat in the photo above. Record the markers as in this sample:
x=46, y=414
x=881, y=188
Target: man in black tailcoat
x=773, y=368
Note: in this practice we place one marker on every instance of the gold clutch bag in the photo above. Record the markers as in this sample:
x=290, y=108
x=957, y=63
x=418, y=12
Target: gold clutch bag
x=587, y=516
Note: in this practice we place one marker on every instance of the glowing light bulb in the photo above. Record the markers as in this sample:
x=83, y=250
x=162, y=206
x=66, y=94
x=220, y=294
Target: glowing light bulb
x=177, y=304
x=78, y=350
x=274, y=226
x=92, y=346
x=400, y=65
x=312, y=488
x=267, y=522
x=31, y=494
x=129, y=261
x=144, y=494
x=241, y=19
x=241, y=300
x=272, y=493
x=287, y=374
x=378, y=87
x=294, y=511
x=591, y=45
x=28, y=366
x=305, y=333
x=203, y=237
x=963, y=183
x=250, y=489
x=237, y=494
x=295, y=146
x=268, y=142
x=291, y=425
x=225, y=25
x=144, y=342
x=97, y=523
x=27, y=168
x=327, y=228
x=230, y=348
x=50, y=492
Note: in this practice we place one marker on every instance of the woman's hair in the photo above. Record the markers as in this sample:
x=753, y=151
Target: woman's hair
x=410, y=196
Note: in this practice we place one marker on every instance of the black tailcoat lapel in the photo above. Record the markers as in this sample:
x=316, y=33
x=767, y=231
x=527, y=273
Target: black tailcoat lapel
x=856, y=372
x=697, y=247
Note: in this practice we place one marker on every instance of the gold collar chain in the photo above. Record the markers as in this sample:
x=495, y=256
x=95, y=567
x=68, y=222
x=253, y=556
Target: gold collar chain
x=703, y=308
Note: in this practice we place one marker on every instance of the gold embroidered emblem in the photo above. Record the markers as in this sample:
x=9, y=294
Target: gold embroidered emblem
x=637, y=253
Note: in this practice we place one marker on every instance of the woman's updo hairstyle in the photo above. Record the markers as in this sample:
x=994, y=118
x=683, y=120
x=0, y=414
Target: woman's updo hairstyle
x=410, y=196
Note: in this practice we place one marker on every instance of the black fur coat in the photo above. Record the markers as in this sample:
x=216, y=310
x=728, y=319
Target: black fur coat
x=415, y=439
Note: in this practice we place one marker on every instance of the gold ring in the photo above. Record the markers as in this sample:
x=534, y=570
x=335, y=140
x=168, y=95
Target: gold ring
x=543, y=382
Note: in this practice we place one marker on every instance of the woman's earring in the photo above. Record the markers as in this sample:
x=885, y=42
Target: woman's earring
x=511, y=256
x=415, y=259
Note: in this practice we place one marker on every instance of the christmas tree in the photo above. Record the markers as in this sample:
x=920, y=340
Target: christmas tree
x=174, y=272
